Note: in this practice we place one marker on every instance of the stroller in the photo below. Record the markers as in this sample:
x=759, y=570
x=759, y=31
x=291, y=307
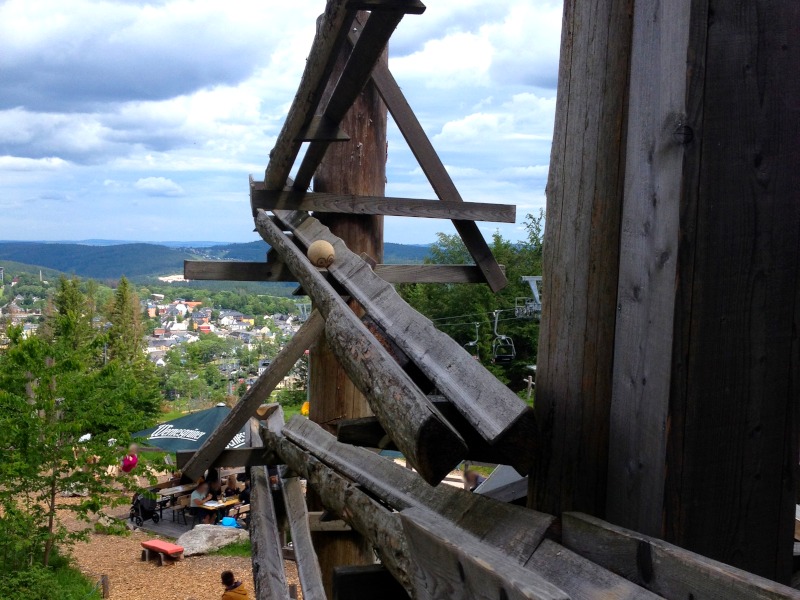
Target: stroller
x=143, y=507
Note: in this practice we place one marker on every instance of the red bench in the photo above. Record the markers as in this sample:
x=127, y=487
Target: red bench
x=164, y=551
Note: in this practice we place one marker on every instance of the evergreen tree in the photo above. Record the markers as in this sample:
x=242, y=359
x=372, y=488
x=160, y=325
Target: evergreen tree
x=126, y=334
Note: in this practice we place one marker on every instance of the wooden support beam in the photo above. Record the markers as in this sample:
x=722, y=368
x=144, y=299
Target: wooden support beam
x=238, y=457
x=430, y=443
x=380, y=205
x=446, y=558
x=581, y=258
x=230, y=270
x=515, y=530
x=355, y=75
x=321, y=129
x=331, y=34
x=499, y=415
x=411, y=7
x=307, y=564
x=339, y=495
x=316, y=523
x=581, y=578
x=255, y=396
x=366, y=582
x=268, y=572
x=436, y=173
x=667, y=570
x=220, y=270
x=704, y=414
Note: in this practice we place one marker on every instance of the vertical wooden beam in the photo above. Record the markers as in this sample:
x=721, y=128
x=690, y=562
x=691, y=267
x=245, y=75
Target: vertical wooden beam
x=706, y=370
x=354, y=167
x=584, y=198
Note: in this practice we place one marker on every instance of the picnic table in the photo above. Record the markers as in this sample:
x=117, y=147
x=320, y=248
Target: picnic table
x=220, y=505
x=178, y=489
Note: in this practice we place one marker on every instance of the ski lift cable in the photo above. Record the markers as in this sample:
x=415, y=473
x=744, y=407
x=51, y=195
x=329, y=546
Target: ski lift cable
x=490, y=312
x=473, y=322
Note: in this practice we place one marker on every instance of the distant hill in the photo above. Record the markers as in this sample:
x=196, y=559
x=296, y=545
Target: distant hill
x=98, y=262
x=141, y=260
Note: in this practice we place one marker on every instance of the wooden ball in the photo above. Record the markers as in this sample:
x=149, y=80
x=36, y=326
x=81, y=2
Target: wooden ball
x=321, y=253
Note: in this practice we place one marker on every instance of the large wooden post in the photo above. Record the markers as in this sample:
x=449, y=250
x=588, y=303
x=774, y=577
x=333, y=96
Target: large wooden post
x=584, y=200
x=703, y=434
x=354, y=167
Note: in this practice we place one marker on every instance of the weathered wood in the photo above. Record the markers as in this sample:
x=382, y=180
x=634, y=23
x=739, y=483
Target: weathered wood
x=581, y=578
x=316, y=523
x=649, y=242
x=260, y=271
x=436, y=173
x=330, y=37
x=380, y=526
x=268, y=574
x=380, y=205
x=365, y=55
x=705, y=389
x=320, y=129
x=429, y=442
x=229, y=270
x=238, y=457
x=499, y=415
x=450, y=563
x=667, y=570
x=511, y=492
x=411, y=7
x=581, y=250
x=255, y=396
x=366, y=582
x=515, y=530
x=307, y=565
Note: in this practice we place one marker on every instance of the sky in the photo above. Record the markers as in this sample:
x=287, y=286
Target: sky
x=142, y=121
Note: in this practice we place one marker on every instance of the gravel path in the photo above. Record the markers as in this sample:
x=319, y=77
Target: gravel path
x=194, y=578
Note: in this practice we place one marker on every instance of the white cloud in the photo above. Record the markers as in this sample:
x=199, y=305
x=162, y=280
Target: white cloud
x=159, y=186
x=17, y=163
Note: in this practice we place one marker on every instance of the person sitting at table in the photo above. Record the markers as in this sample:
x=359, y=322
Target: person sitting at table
x=244, y=495
x=199, y=497
x=215, y=489
x=231, y=486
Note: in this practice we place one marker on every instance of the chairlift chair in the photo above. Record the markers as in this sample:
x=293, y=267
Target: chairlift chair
x=474, y=343
x=503, y=351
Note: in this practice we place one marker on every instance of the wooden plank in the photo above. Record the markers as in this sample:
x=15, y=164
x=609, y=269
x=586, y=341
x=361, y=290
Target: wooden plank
x=450, y=563
x=733, y=405
x=515, y=530
x=320, y=129
x=316, y=523
x=430, y=443
x=339, y=495
x=667, y=570
x=411, y=7
x=499, y=415
x=307, y=565
x=581, y=578
x=581, y=250
x=648, y=259
x=331, y=34
x=511, y=492
x=366, y=582
x=355, y=75
x=268, y=573
x=238, y=457
x=436, y=173
x=255, y=396
x=381, y=205
x=260, y=271
x=229, y=270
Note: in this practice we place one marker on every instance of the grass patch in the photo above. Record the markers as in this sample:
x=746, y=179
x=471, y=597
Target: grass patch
x=242, y=549
x=61, y=582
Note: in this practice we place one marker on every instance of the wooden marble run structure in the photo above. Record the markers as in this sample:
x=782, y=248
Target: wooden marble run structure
x=586, y=452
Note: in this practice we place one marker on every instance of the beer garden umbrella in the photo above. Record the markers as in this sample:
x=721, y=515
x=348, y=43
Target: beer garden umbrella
x=189, y=432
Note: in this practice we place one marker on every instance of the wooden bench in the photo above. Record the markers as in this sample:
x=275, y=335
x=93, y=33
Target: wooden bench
x=164, y=551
